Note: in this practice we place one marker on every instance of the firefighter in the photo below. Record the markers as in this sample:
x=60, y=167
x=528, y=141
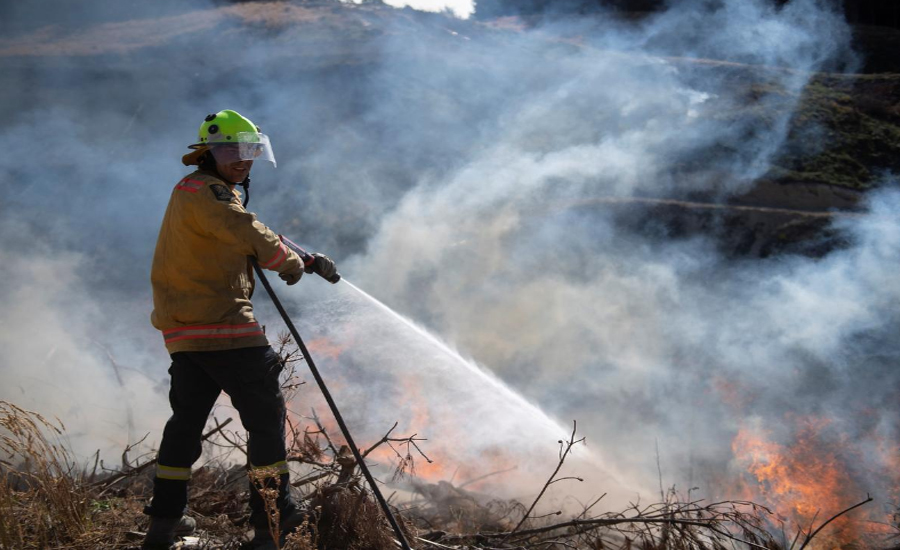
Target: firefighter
x=202, y=282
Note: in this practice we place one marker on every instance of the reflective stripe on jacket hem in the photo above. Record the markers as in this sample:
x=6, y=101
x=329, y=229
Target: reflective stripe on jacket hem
x=212, y=331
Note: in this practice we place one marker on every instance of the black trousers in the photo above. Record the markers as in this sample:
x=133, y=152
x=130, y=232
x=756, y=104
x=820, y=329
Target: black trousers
x=250, y=377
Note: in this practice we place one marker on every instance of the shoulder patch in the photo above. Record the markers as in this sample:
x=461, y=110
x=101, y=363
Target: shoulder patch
x=221, y=192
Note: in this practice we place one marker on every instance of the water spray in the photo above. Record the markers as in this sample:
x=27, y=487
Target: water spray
x=309, y=261
x=487, y=379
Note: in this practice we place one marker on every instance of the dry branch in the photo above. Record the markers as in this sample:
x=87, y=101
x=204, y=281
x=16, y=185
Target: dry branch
x=107, y=483
x=564, y=452
x=812, y=534
x=593, y=523
x=485, y=476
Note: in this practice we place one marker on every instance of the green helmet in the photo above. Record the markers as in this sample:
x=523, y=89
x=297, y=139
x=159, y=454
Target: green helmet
x=232, y=137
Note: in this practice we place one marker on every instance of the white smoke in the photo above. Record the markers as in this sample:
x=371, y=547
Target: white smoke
x=59, y=356
x=473, y=179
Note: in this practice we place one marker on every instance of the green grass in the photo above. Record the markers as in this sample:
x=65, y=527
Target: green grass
x=845, y=132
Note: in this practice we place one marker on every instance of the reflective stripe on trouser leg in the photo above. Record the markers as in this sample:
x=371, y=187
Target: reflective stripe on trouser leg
x=172, y=472
x=250, y=378
x=192, y=395
x=170, y=489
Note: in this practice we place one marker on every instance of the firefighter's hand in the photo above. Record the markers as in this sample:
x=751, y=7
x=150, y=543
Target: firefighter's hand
x=291, y=278
x=323, y=266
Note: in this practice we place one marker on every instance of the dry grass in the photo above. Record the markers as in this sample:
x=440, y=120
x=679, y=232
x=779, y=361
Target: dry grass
x=44, y=498
x=461, y=521
x=348, y=518
x=303, y=537
x=48, y=502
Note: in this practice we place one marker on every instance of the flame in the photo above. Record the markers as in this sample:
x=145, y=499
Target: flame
x=890, y=457
x=474, y=475
x=324, y=347
x=804, y=481
x=412, y=391
x=438, y=469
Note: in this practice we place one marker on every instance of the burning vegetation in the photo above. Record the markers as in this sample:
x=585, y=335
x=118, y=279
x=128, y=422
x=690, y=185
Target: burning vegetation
x=48, y=500
x=472, y=105
x=804, y=481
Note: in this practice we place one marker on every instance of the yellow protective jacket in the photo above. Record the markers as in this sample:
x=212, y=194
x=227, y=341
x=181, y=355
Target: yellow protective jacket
x=202, y=278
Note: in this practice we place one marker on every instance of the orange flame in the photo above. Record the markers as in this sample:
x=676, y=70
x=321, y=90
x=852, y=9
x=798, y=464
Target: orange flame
x=805, y=481
x=324, y=347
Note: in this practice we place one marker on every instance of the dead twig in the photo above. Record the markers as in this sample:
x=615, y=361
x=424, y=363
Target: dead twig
x=384, y=439
x=737, y=539
x=309, y=479
x=324, y=432
x=128, y=449
x=411, y=440
x=406, y=462
x=485, y=476
x=593, y=523
x=234, y=444
x=812, y=534
x=588, y=508
x=107, y=483
x=434, y=544
x=564, y=452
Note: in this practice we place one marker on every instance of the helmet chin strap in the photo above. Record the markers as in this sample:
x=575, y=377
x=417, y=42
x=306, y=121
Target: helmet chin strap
x=246, y=185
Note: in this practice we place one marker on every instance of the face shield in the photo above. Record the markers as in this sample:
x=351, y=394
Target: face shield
x=243, y=146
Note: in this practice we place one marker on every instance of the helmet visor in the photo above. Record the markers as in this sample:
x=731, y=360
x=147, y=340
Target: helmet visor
x=243, y=146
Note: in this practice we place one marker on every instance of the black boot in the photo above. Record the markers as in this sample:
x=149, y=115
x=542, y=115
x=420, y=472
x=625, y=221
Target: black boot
x=163, y=533
x=291, y=518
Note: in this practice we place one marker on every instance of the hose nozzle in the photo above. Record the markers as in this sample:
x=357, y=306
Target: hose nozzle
x=309, y=261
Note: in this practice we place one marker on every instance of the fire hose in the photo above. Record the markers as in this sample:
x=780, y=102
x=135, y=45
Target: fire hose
x=309, y=261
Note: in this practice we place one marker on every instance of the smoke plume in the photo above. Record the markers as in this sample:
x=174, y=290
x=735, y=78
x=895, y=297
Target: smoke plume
x=477, y=179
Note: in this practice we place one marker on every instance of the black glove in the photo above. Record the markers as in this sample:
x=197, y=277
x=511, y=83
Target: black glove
x=323, y=266
x=291, y=277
